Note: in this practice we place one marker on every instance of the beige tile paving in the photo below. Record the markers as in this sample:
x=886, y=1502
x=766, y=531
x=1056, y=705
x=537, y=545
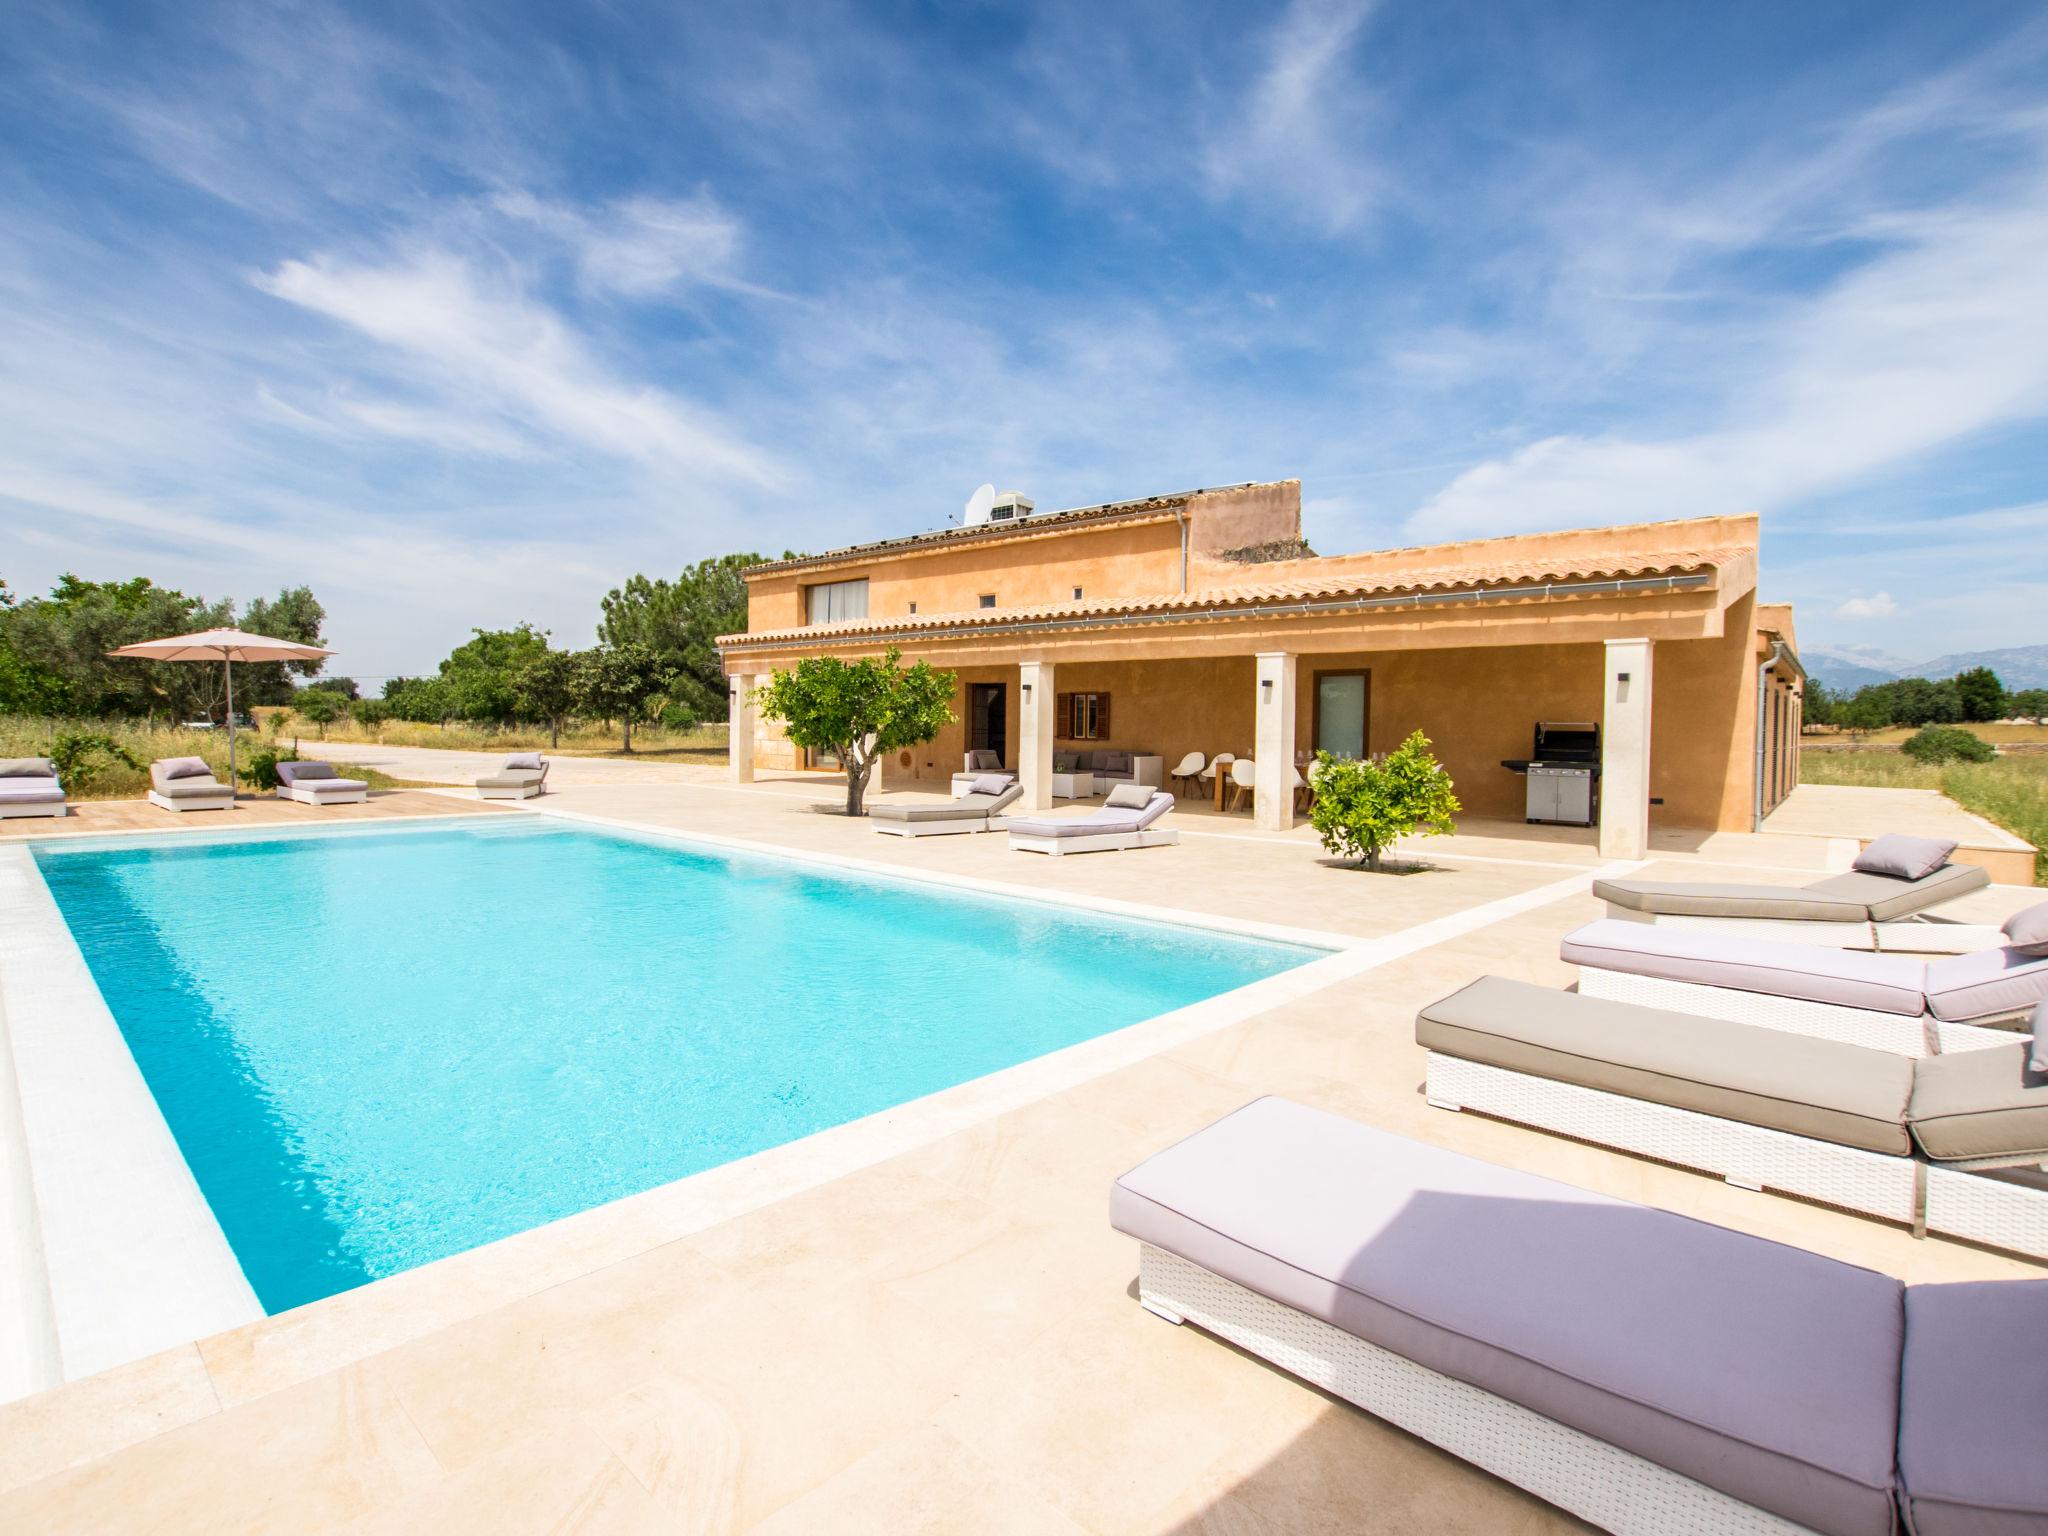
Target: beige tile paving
x=943, y=1341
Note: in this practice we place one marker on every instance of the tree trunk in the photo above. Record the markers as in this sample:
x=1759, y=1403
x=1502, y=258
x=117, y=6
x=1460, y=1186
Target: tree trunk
x=555, y=734
x=857, y=774
x=628, y=722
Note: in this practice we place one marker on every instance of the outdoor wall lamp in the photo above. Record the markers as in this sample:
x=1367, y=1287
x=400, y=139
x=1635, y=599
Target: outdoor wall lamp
x=1027, y=690
x=1266, y=687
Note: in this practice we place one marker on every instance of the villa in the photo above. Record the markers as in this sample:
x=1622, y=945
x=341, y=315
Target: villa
x=1202, y=623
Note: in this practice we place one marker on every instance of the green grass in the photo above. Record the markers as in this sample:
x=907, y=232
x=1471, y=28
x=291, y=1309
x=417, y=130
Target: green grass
x=106, y=779
x=705, y=743
x=2012, y=791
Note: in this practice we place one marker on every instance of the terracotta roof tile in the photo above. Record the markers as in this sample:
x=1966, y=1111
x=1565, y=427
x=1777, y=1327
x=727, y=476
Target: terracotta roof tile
x=1308, y=587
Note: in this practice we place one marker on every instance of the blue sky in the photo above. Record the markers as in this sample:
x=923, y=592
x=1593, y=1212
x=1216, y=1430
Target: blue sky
x=464, y=313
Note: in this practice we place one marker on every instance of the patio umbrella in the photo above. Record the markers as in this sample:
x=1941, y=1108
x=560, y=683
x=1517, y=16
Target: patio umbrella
x=226, y=646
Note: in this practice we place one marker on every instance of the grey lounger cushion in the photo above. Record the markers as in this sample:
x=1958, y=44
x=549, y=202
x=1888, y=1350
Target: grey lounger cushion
x=171, y=770
x=1985, y=984
x=1855, y=897
x=1785, y=1082
x=510, y=779
x=192, y=789
x=1763, y=1370
x=296, y=773
x=1680, y=899
x=23, y=791
x=1847, y=977
x=1972, y=1402
x=27, y=768
x=1889, y=899
x=1988, y=1103
x=1904, y=857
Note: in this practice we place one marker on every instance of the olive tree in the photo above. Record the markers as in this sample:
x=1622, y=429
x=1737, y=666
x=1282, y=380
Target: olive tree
x=546, y=689
x=859, y=710
x=322, y=706
x=618, y=682
x=1363, y=807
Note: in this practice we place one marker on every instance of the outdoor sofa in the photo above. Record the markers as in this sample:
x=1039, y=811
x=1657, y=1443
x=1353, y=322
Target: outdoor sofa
x=29, y=787
x=975, y=811
x=1952, y=1143
x=1882, y=902
x=1642, y=1370
x=187, y=784
x=1111, y=767
x=1901, y=1003
x=1129, y=818
x=316, y=783
x=523, y=776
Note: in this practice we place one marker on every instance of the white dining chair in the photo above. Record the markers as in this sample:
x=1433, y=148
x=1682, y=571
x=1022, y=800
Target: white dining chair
x=1189, y=771
x=1244, y=780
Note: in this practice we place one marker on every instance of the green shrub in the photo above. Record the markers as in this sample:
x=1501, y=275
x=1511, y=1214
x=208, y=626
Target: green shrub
x=1363, y=807
x=261, y=767
x=80, y=756
x=1947, y=744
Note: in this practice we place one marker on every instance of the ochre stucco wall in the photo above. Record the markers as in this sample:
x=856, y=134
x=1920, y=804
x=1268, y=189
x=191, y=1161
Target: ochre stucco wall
x=1477, y=705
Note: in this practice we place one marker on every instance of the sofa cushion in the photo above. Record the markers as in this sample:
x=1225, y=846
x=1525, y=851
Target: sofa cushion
x=1888, y=898
x=1846, y=977
x=523, y=760
x=1794, y=1083
x=1766, y=1371
x=1113, y=762
x=1681, y=899
x=1972, y=1400
x=1986, y=984
x=981, y=758
x=990, y=784
x=30, y=791
x=1984, y=1103
x=2027, y=930
x=300, y=773
x=2037, y=1026
x=27, y=768
x=335, y=786
x=1066, y=762
x=183, y=768
x=1134, y=797
x=1904, y=857
x=509, y=779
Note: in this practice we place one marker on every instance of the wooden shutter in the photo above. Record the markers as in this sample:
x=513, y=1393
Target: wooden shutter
x=1063, y=716
x=1102, y=717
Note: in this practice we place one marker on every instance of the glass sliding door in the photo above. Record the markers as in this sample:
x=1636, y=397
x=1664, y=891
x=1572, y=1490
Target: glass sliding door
x=1342, y=709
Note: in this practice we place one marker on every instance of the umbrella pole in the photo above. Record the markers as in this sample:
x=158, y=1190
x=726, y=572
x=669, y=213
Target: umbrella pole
x=228, y=662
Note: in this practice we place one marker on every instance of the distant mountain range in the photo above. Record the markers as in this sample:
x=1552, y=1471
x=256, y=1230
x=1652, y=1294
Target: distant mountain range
x=1845, y=668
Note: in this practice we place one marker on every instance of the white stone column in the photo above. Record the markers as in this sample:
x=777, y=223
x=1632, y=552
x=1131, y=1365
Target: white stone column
x=739, y=749
x=1034, y=734
x=1273, y=741
x=1625, y=751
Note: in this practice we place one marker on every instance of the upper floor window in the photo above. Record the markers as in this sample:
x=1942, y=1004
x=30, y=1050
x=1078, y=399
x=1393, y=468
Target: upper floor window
x=988, y=599
x=830, y=601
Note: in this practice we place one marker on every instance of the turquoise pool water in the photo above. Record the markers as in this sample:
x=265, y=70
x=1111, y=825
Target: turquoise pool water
x=379, y=1048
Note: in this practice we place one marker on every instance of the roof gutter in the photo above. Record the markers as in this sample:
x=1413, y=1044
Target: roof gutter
x=1410, y=600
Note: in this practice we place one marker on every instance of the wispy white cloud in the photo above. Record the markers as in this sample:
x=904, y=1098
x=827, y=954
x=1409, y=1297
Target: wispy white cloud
x=448, y=326
x=640, y=246
x=1298, y=139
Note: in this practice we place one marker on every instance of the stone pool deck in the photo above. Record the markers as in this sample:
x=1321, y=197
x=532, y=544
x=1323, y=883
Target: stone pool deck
x=943, y=1338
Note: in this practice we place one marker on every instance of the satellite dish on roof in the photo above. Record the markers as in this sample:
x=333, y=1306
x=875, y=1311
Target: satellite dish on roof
x=978, y=505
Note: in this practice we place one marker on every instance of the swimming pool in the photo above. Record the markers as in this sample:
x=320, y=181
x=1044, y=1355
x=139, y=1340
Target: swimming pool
x=377, y=1048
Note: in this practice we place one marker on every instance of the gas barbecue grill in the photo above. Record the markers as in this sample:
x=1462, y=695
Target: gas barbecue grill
x=1563, y=772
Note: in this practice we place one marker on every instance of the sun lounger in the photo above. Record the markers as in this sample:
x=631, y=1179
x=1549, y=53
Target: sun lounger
x=524, y=775
x=1950, y=1144
x=1646, y=1372
x=1882, y=902
x=1887, y=1001
x=1128, y=819
x=974, y=811
x=315, y=783
x=187, y=784
x=29, y=787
